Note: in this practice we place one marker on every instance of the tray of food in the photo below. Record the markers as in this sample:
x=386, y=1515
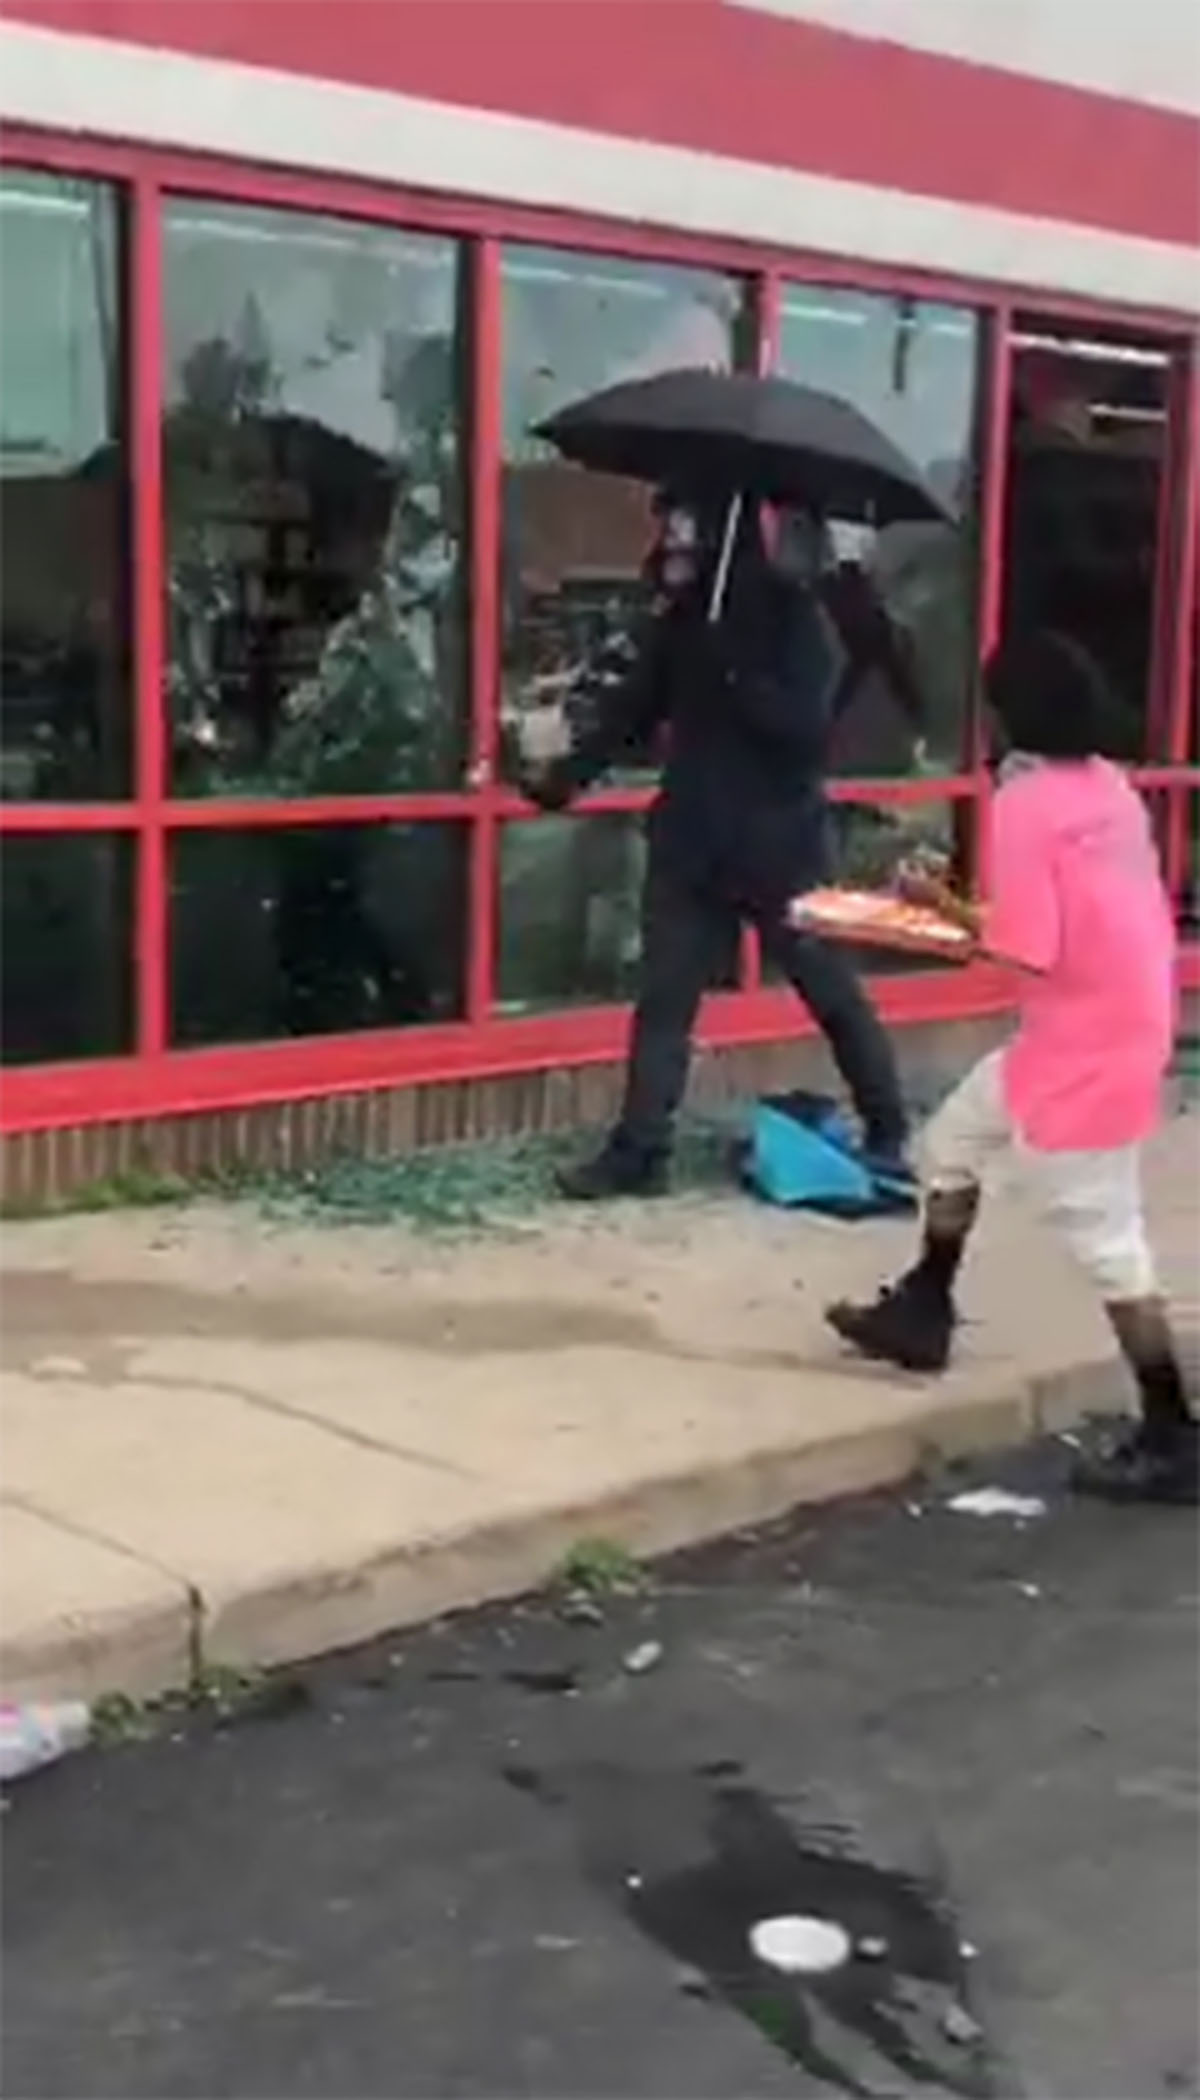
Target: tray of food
x=877, y=919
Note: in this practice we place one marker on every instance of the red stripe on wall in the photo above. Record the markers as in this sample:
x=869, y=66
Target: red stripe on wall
x=698, y=74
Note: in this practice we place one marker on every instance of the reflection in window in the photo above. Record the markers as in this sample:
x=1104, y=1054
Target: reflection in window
x=904, y=596
x=574, y=543
x=570, y=913
x=315, y=929
x=65, y=711
x=1086, y=456
x=66, y=946
x=312, y=468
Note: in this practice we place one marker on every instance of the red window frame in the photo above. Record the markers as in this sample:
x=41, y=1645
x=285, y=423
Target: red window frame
x=155, y=1079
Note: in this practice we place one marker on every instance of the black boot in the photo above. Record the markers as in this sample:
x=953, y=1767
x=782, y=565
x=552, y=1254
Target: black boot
x=892, y=1173
x=887, y=1150
x=910, y=1324
x=1145, y=1464
x=617, y=1170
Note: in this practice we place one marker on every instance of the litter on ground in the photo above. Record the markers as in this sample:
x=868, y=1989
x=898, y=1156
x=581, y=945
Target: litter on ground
x=801, y=1946
x=639, y=1660
x=996, y=1502
x=31, y=1736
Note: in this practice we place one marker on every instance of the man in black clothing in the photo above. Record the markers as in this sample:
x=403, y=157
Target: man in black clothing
x=741, y=825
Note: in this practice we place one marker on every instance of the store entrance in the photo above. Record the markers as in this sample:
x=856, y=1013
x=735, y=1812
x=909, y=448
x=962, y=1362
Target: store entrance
x=1087, y=448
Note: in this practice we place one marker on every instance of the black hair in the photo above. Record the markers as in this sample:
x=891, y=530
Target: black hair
x=1050, y=696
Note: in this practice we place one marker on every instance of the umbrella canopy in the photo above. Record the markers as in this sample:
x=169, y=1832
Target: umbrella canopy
x=721, y=432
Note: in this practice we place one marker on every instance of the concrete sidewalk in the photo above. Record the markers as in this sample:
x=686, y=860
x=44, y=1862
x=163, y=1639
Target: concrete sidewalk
x=231, y=1440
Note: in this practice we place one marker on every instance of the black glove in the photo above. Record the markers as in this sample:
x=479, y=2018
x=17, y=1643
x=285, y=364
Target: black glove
x=552, y=788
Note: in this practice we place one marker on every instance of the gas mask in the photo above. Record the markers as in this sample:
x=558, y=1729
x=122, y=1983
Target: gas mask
x=679, y=550
x=802, y=550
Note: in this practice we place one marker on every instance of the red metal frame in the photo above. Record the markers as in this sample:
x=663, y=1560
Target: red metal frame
x=1184, y=730
x=146, y=334
x=158, y=1080
x=245, y=182
x=243, y=1075
x=767, y=298
x=994, y=473
x=1174, y=726
x=1172, y=556
x=485, y=438
x=69, y=816
x=993, y=468
x=1183, y=741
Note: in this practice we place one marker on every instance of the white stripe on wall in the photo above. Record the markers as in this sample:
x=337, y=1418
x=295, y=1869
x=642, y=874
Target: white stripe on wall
x=99, y=86
x=1142, y=50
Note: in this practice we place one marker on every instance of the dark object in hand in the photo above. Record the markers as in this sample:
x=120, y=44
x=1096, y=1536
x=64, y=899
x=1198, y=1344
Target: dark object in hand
x=552, y=788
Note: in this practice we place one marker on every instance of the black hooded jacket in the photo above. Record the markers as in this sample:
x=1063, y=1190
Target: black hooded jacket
x=744, y=702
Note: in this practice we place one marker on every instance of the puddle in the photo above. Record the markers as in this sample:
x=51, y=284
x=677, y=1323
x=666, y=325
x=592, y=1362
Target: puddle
x=50, y=1313
x=58, y=1324
x=700, y=1869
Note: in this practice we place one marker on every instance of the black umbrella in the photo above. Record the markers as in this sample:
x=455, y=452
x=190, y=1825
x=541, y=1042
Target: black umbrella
x=733, y=432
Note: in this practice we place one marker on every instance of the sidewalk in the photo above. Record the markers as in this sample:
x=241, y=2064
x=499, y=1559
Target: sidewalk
x=227, y=1439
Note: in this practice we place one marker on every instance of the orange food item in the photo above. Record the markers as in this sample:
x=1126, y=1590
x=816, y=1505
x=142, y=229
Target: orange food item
x=873, y=918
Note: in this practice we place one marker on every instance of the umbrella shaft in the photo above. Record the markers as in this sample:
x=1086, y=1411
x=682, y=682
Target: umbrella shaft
x=725, y=559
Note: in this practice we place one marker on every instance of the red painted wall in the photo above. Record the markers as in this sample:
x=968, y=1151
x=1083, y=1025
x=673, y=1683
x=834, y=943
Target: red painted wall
x=699, y=74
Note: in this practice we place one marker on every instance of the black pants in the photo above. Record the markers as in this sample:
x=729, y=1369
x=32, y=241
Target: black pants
x=684, y=933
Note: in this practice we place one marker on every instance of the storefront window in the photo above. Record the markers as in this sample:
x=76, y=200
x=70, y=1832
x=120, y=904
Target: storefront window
x=66, y=939
x=574, y=543
x=570, y=913
x=1085, y=468
x=65, y=708
x=315, y=929
x=314, y=507
x=904, y=595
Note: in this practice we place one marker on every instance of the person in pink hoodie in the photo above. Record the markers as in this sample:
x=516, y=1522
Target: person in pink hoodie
x=1078, y=910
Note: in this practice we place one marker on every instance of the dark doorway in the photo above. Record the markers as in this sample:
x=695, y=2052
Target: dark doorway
x=1088, y=444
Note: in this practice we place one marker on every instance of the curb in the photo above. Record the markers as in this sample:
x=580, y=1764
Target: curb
x=135, y=1631
x=89, y=1655
x=330, y=1610
x=321, y=1609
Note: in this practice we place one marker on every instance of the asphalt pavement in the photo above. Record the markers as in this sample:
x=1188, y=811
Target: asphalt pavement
x=523, y=1852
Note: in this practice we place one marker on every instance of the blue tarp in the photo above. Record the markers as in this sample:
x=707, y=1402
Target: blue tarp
x=801, y=1154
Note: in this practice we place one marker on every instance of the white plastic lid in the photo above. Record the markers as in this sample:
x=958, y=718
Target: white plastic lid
x=801, y=1946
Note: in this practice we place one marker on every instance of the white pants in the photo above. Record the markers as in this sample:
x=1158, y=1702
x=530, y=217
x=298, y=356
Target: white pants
x=1092, y=1199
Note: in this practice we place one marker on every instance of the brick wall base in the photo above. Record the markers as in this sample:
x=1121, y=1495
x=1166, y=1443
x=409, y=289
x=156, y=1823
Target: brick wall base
x=43, y=1168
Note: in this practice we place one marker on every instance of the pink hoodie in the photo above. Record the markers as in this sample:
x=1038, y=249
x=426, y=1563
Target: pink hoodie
x=1078, y=904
